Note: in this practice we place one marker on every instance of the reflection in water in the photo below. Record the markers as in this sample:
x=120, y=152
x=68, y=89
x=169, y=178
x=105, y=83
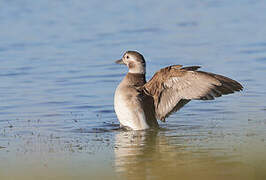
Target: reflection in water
x=134, y=151
x=134, y=146
x=151, y=154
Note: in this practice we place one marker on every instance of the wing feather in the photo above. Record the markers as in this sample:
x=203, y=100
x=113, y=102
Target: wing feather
x=173, y=87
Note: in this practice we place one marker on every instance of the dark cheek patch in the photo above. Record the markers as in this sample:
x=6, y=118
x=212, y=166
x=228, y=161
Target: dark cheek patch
x=131, y=65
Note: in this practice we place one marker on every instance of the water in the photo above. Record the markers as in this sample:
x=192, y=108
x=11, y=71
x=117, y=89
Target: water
x=58, y=79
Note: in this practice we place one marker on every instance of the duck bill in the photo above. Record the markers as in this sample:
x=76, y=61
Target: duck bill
x=120, y=61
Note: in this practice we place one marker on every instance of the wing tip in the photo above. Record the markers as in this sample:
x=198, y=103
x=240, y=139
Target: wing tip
x=191, y=68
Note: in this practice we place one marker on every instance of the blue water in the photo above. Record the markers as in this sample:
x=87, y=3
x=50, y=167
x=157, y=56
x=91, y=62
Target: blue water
x=58, y=79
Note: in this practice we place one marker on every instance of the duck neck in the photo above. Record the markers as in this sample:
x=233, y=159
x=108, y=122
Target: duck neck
x=135, y=79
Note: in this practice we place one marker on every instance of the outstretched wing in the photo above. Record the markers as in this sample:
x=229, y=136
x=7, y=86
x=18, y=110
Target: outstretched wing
x=173, y=87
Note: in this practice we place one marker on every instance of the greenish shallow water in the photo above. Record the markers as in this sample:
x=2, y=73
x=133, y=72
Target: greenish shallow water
x=58, y=79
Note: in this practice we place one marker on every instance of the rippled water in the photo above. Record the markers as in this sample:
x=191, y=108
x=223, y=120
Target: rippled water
x=58, y=79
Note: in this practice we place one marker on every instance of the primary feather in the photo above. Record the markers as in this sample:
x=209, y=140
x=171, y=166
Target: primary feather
x=173, y=87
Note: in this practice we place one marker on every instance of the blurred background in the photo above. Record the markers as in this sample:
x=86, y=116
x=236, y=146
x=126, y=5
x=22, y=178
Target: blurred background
x=58, y=79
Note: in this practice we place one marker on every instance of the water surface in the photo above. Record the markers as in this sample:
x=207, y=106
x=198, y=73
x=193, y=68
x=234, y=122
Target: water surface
x=58, y=80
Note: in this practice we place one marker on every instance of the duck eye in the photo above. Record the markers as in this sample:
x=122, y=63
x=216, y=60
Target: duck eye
x=127, y=57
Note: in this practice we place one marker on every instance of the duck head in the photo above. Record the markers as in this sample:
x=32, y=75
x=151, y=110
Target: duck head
x=134, y=61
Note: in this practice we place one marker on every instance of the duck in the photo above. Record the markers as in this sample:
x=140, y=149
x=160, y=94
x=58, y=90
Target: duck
x=139, y=104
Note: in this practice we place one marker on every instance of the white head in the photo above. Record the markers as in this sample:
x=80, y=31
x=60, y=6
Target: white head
x=134, y=61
